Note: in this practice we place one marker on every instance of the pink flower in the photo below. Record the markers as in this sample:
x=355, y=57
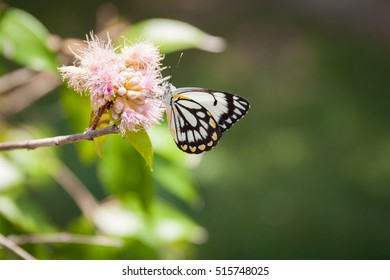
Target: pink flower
x=131, y=79
x=142, y=55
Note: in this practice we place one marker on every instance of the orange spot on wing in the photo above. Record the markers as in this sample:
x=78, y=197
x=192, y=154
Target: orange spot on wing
x=168, y=117
x=173, y=132
x=210, y=143
x=202, y=147
x=183, y=147
x=192, y=149
x=214, y=136
x=177, y=96
x=212, y=123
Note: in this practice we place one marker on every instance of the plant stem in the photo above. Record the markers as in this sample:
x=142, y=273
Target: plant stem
x=64, y=237
x=12, y=246
x=58, y=140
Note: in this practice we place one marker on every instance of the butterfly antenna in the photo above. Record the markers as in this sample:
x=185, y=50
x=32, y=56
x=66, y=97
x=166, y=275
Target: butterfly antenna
x=177, y=67
x=169, y=78
x=178, y=61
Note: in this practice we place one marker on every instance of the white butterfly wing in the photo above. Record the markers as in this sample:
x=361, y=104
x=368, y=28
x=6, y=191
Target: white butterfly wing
x=226, y=108
x=197, y=117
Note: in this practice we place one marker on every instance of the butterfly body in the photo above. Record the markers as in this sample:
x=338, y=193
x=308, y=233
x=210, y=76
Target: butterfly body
x=197, y=117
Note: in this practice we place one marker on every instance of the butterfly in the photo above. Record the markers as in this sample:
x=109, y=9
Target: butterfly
x=197, y=117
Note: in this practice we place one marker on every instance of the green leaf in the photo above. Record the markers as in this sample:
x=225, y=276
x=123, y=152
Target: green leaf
x=24, y=213
x=164, y=146
x=173, y=35
x=123, y=171
x=37, y=163
x=165, y=225
x=78, y=111
x=176, y=181
x=10, y=175
x=115, y=219
x=24, y=39
x=141, y=142
x=172, y=225
x=77, y=107
x=170, y=166
x=104, y=121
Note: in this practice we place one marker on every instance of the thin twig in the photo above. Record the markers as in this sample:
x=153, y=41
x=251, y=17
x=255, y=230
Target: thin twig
x=77, y=190
x=12, y=246
x=64, y=237
x=96, y=119
x=15, y=79
x=58, y=140
x=28, y=92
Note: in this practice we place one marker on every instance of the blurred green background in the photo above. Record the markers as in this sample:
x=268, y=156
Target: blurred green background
x=305, y=175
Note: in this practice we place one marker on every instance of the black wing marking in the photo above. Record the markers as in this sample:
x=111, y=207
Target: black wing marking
x=198, y=117
x=226, y=108
x=236, y=106
x=195, y=128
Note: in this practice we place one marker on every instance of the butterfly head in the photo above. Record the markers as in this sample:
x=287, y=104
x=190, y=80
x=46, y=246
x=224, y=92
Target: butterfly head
x=168, y=91
x=168, y=88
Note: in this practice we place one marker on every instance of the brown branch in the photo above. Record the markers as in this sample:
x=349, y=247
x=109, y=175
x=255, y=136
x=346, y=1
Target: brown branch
x=96, y=118
x=58, y=140
x=77, y=190
x=24, y=94
x=64, y=237
x=15, y=79
x=12, y=246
